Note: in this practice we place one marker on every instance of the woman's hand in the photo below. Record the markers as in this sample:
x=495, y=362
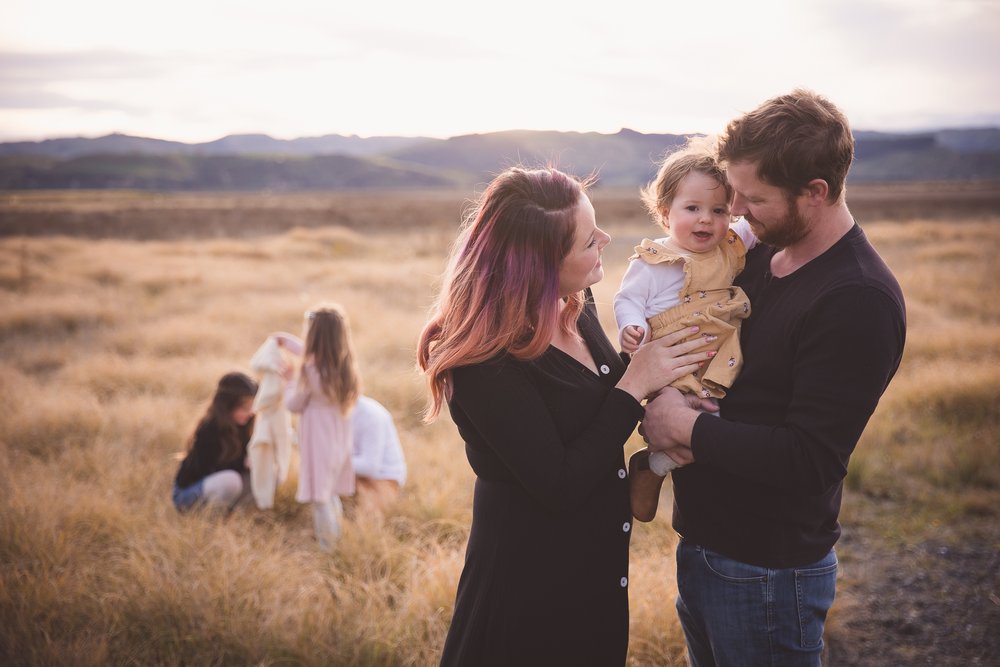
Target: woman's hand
x=658, y=363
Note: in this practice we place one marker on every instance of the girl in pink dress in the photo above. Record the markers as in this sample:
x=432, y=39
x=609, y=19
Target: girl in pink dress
x=323, y=396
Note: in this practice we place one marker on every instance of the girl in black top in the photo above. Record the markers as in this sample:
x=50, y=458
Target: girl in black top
x=214, y=470
x=544, y=405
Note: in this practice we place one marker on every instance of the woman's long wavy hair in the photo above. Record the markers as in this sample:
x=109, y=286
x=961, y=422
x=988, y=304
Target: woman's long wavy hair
x=232, y=390
x=328, y=347
x=501, y=289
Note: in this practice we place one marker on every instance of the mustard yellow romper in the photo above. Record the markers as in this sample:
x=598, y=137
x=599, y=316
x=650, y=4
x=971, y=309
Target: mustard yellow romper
x=708, y=300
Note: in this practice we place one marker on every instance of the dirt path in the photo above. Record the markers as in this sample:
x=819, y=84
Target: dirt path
x=933, y=603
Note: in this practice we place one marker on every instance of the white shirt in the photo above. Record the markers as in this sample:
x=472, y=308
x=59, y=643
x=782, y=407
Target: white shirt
x=377, y=453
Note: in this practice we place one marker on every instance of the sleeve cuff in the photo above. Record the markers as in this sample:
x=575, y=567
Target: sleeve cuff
x=626, y=403
x=701, y=437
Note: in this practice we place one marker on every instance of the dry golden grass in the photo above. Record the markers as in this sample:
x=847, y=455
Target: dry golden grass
x=109, y=349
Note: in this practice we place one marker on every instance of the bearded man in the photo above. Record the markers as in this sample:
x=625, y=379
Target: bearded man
x=756, y=504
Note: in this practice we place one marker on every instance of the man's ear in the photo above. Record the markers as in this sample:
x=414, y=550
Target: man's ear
x=816, y=191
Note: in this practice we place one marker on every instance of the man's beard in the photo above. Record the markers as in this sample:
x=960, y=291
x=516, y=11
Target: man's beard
x=789, y=231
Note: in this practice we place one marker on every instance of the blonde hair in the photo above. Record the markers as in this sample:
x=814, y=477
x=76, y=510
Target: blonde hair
x=698, y=154
x=328, y=347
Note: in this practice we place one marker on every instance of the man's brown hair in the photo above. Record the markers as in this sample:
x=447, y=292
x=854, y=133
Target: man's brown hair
x=793, y=139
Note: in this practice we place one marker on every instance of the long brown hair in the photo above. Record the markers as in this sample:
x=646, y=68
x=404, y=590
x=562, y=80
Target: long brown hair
x=501, y=288
x=231, y=391
x=329, y=349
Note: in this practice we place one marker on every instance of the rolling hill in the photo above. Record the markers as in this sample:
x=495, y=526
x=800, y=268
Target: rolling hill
x=336, y=162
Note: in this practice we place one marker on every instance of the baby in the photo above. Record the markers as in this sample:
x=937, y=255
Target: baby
x=683, y=280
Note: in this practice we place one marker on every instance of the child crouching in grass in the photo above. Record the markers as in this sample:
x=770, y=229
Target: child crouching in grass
x=214, y=470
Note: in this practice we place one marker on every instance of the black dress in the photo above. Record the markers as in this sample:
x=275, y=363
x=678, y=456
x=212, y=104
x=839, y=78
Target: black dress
x=546, y=570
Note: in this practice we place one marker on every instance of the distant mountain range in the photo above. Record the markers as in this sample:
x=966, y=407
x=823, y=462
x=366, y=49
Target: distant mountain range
x=335, y=162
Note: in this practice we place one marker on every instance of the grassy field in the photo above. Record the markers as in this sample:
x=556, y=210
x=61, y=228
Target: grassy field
x=119, y=311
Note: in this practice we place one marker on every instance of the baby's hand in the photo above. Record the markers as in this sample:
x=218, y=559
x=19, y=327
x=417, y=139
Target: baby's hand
x=631, y=337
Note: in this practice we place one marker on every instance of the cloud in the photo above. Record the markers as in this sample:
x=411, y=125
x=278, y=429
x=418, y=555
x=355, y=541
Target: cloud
x=38, y=80
x=40, y=99
x=315, y=67
x=954, y=36
x=40, y=68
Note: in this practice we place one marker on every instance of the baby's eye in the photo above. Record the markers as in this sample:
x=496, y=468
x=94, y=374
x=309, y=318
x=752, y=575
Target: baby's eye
x=722, y=211
x=691, y=207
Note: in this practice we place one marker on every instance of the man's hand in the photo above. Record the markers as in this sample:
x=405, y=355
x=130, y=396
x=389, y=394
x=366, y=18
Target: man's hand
x=702, y=404
x=669, y=422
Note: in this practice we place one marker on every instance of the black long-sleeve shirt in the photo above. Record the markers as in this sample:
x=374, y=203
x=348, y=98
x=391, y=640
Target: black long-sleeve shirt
x=820, y=347
x=203, y=459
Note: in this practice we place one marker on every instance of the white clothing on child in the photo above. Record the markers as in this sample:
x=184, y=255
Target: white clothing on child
x=326, y=522
x=377, y=453
x=270, y=447
x=223, y=488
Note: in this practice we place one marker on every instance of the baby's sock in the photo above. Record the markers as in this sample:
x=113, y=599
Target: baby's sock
x=661, y=464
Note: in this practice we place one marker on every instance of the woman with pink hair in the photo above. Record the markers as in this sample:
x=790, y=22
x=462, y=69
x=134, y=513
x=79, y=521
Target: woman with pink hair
x=544, y=404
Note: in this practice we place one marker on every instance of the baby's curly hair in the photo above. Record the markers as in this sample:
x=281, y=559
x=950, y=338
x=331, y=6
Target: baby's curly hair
x=698, y=154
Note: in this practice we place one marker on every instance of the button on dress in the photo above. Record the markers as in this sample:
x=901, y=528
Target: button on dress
x=545, y=580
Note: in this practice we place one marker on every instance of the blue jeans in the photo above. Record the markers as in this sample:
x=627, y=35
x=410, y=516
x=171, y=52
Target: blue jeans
x=738, y=614
x=187, y=497
x=222, y=489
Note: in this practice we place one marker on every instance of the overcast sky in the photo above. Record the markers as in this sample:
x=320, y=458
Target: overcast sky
x=196, y=70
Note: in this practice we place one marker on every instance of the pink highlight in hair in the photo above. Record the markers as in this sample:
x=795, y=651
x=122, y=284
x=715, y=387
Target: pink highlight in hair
x=501, y=287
